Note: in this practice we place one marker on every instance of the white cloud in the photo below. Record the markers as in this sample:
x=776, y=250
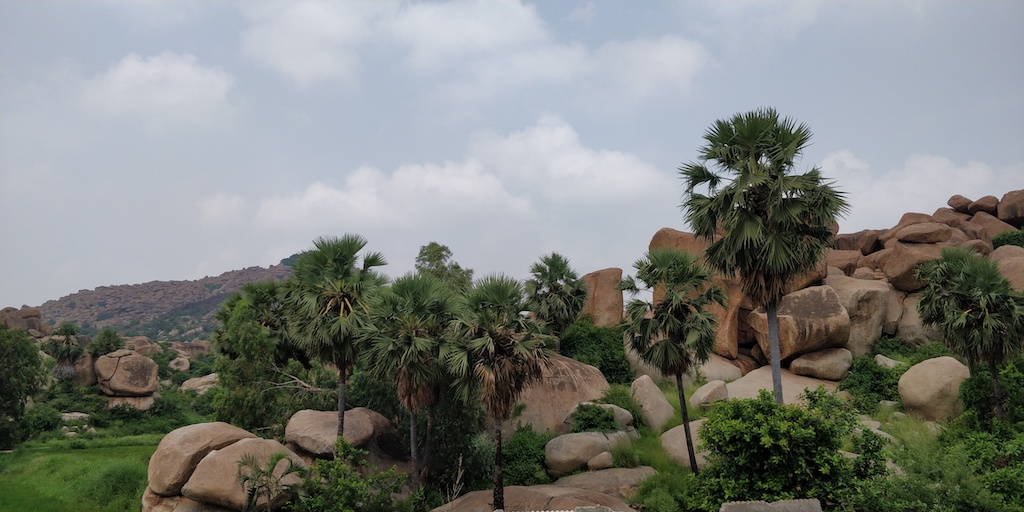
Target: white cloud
x=642, y=67
x=220, y=210
x=761, y=20
x=172, y=86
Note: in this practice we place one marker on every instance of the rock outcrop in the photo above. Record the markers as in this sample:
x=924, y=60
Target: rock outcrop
x=604, y=299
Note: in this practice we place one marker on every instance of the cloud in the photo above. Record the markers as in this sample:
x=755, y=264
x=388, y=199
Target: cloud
x=921, y=184
x=221, y=210
x=167, y=86
x=760, y=20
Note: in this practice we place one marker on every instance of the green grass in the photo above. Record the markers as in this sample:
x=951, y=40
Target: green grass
x=59, y=477
x=668, y=388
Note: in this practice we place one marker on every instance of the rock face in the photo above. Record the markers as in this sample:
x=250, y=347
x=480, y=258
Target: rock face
x=719, y=368
x=992, y=225
x=604, y=300
x=153, y=502
x=569, y=452
x=828, y=364
x=181, y=450
x=865, y=302
x=180, y=364
x=1010, y=259
x=126, y=373
x=618, y=482
x=674, y=443
x=653, y=406
x=931, y=388
x=85, y=369
x=810, y=319
x=209, y=485
x=563, y=384
x=536, y=497
x=911, y=328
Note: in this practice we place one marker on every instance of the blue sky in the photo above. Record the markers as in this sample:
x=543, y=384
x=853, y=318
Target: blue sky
x=147, y=140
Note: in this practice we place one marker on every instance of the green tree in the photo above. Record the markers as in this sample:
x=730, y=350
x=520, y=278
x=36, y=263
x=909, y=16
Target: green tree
x=106, y=342
x=979, y=314
x=326, y=300
x=21, y=375
x=503, y=353
x=436, y=260
x=675, y=333
x=266, y=484
x=555, y=293
x=410, y=322
x=765, y=222
x=65, y=349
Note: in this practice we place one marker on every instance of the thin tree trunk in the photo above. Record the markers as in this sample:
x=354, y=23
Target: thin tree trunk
x=499, y=481
x=428, y=443
x=775, y=353
x=686, y=424
x=414, y=476
x=997, y=390
x=342, y=383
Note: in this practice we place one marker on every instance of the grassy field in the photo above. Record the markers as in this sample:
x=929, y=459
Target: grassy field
x=57, y=477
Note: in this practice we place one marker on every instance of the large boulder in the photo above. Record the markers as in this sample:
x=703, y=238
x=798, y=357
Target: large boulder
x=865, y=301
x=901, y=266
x=1011, y=208
x=191, y=349
x=213, y=480
x=564, y=383
x=924, y=233
x=142, y=345
x=618, y=482
x=908, y=219
x=569, y=452
x=893, y=311
x=843, y=260
x=126, y=373
x=654, y=407
x=200, y=384
x=950, y=217
x=931, y=388
x=960, y=203
x=828, y=364
x=987, y=204
x=910, y=328
x=761, y=379
x=85, y=369
x=719, y=368
x=604, y=299
x=992, y=225
x=714, y=391
x=315, y=432
x=537, y=497
x=810, y=319
x=153, y=502
x=674, y=443
x=181, y=450
x=1010, y=259
x=865, y=241
x=179, y=364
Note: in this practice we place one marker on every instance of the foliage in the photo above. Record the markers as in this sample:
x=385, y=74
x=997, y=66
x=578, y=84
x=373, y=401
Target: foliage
x=264, y=483
x=977, y=399
x=1009, y=238
x=893, y=348
x=667, y=492
x=600, y=347
x=342, y=485
x=21, y=374
x=436, y=260
x=593, y=418
x=524, y=457
x=555, y=294
x=927, y=351
x=622, y=396
x=106, y=342
x=42, y=418
x=870, y=383
x=64, y=347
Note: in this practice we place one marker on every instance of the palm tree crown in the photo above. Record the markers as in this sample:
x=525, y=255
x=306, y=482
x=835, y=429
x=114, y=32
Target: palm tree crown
x=555, y=292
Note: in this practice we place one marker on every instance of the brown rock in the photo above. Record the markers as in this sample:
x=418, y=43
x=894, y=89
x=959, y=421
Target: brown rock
x=979, y=246
x=960, y=203
x=85, y=371
x=910, y=328
x=317, y=431
x=975, y=231
x=747, y=363
x=181, y=450
x=714, y=391
x=604, y=300
x=876, y=260
x=1011, y=208
x=142, y=345
x=931, y=388
x=200, y=384
x=809, y=320
x=601, y=461
x=893, y=311
x=563, y=384
x=153, y=502
x=924, y=233
x=843, y=260
x=674, y=443
x=987, y=204
x=126, y=373
x=653, y=405
x=618, y=482
x=535, y=497
x=569, y=452
x=907, y=219
x=902, y=265
x=950, y=217
x=761, y=379
x=191, y=349
x=1012, y=268
x=865, y=241
x=992, y=225
x=828, y=364
x=865, y=302
x=142, y=403
x=719, y=368
x=213, y=480
x=179, y=364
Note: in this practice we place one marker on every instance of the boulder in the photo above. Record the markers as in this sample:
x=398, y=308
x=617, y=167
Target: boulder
x=804, y=505
x=979, y=246
x=931, y=388
x=843, y=260
x=191, y=349
x=126, y=373
x=142, y=403
x=925, y=233
x=792, y=385
x=623, y=418
x=865, y=301
x=1007, y=252
x=950, y=217
x=653, y=405
x=603, y=460
x=153, y=502
x=604, y=300
x=1011, y=208
x=960, y=203
x=992, y=225
x=214, y=482
x=719, y=368
x=569, y=452
x=876, y=260
x=902, y=264
x=865, y=241
x=1011, y=267
x=179, y=364
x=200, y=384
x=315, y=432
x=987, y=204
x=564, y=383
x=74, y=416
x=893, y=311
x=907, y=219
x=810, y=319
x=181, y=450
x=536, y=497
x=911, y=329
x=618, y=482
x=886, y=362
x=828, y=364
x=674, y=443
x=714, y=391
x=142, y=345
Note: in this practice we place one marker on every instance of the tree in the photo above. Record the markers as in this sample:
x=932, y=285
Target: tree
x=675, y=333
x=979, y=314
x=106, y=342
x=410, y=322
x=326, y=300
x=65, y=350
x=764, y=222
x=436, y=259
x=21, y=375
x=503, y=353
x=555, y=293
x=265, y=483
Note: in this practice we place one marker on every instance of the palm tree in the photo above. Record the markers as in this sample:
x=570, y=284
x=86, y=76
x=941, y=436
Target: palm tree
x=765, y=222
x=676, y=333
x=263, y=482
x=555, y=293
x=410, y=322
x=65, y=350
x=502, y=353
x=326, y=299
x=975, y=308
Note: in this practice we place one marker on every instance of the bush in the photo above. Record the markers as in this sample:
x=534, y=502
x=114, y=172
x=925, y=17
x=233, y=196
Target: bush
x=600, y=347
x=667, y=492
x=42, y=418
x=593, y=418
x=106, y=342
x=870, y=383
x=894, y=348
x=523, y=457
x=928, y=351
x=622, y=396
x=342, y=484
x=1009, y=238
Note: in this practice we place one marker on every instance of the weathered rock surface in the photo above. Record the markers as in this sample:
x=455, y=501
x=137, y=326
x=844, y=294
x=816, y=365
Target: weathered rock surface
x=959, y=203
x=85, y=369
x=563, y=384
x=792, y=385
x=674, y=443
x=618, y=482
x=908, y=219
x=843, y=260
x=810, y=319
x=180, y=364
x=924, y=233
x=604, y=300
x=806, y=505
x=536, y=497
x=142, y=345
x=987, y=204
x=126, y=373
x=828, y=364
x=153, y=502
x=142, y=403
x=886, y=362
x=653, y=406
x=181, y=450
x=865, y=302
x=569, y=452
x=714, y=391
x=212, y=481
x=200, y=384
x=931, y=388
x=603, y=460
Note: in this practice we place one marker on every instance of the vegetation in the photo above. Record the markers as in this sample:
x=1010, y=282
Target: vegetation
x=600, y=347
x=344, y=484
x=870, y=383
x=555, y=293
x=106, y=342
x=524, y=457
x=1009, y=238
x=64, y=347
x=776, y=224
x=435, y=260
x=21, y=374
x=593, y=418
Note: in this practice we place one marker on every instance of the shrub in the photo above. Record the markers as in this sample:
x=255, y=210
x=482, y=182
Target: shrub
x=342, y=484
x=667, y=492
x=523, y=457
x=870, y=383
x=928, y=351
x=600, y=347
x=593, y=418
x=892, y=347
x=1009, y=238
x=622, y=396
x=42, y=418
x=106, y=342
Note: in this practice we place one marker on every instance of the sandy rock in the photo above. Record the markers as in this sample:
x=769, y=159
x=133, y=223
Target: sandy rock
x=987, y=204
x=317, y=431
x=792, y=385
x=209, y=485
x=1007, y=252
x=876, y=260
x=911, y=329
x=604, y=301
x=862, y=273
x=828, y=364
x=959, y=203
x=126, y=373
x=200, y=384
x=1011, y=208
x=674, y=443
x=865, y=241
x=810, y=319
x=535, y=497
x=992, y=225
x=902, y=264
x=931, y=388
x=907, y=219
x=603, y=460
x=893, y=311
x=747, y=363
x=1013, y=270
x=979, y=246
x=843, y=260
x=653, y=406
x=569, y=452
x=181, y=450
x=719, y=368
x=563, y=384
x=618, y=482
x=714, y=391
x=865, y=302
x=924, y=233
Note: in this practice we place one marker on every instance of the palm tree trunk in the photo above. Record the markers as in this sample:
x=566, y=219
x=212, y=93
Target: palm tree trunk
x=997, y=390
x=499, y=481
x=428, y=442
x=342, y=382
x=414, y=455
x=774, y=351
x=686, y=423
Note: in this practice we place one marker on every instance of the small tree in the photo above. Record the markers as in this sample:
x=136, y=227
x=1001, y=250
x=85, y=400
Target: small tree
x=555, y=293
x=264, y=483
x=21, y=375
x=436, y=260
x=106, y=342
x=65, y=349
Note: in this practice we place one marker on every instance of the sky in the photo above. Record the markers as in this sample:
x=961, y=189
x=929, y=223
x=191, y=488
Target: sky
x=171, y=140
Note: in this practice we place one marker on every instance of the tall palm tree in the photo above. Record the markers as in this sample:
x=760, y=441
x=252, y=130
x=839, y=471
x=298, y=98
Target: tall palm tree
x=555, y=293
x=410, y=322
x=501, y=354
x=975, y=308
x=676, y=333
x=64, y=349
x=766, y=223
x=326, y=299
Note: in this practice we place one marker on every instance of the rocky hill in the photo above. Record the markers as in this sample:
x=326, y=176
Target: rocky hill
x=168, y=310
